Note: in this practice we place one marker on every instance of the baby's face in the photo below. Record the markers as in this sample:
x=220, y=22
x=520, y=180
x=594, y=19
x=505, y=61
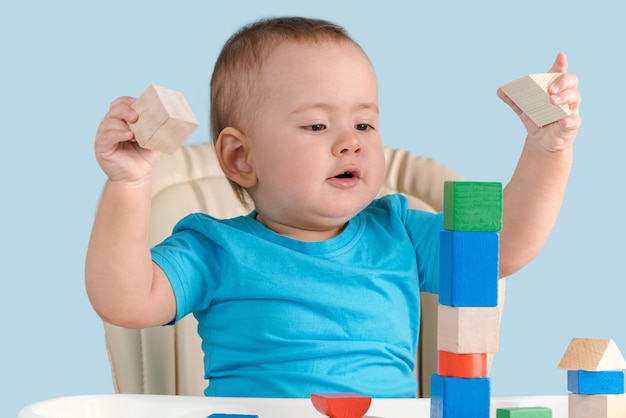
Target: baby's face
x=315, y=143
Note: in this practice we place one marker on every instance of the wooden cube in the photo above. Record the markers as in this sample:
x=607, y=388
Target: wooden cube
x=530, y=93
x=165, y=119
x=472, y=206
x=468, y=330
x=524, y=412
x=582, y=382
x=596, y=406
x=469, y=264
x=454, y=397
x=462, y=365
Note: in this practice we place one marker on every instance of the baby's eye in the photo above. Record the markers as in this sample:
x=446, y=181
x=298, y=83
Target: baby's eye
x=318, y=127
x=363, y=127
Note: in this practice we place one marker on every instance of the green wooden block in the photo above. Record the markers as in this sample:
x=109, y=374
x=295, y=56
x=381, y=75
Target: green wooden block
x=526, y=412
x=472, y=206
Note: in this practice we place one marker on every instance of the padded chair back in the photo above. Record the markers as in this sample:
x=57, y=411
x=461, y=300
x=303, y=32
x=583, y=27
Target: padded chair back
x=169, y=360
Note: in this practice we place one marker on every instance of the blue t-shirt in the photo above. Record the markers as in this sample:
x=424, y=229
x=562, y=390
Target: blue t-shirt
x=285, y=318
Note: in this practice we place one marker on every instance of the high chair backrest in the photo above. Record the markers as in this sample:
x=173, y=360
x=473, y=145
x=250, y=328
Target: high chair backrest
x=169, y=359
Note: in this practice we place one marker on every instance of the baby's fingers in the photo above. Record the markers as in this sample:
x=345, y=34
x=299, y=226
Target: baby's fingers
x=570, y=97
x=564, y=82
x=121, y=109
x=560, y=64
x=571, y=123
x=111, y=132
x=114, y=127
x=564, y=90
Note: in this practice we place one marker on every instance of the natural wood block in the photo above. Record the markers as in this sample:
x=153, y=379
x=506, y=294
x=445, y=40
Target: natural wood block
x=524, y=412
x=583, y=382
x=464, y=330
x=454, y=397
x=596, y=406
x=472, y=206
x=530, y=93
x=469, y=268
x=593, y=354
x=462, y=365
x=341, y=405
x=165, y=119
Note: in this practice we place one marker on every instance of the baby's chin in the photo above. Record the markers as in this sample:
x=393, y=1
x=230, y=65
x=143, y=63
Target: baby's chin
x=327, y=220
x=332, y=212
x=338, y=215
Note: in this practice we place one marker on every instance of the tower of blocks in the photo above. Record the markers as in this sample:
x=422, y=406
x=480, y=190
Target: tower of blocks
x=595, y=378
x=468, y=319
x=165, y=119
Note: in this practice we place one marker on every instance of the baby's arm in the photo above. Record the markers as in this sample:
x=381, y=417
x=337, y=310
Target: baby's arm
x=533, y=197
x=124, y=286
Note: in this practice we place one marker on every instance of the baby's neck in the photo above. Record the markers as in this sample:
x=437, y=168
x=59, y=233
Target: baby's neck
x=302, y=233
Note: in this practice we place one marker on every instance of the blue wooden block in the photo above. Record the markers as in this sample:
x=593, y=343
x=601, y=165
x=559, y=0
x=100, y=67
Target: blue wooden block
x=583, y=382
x=469, y=263
x=457, y=397
x=232, y=416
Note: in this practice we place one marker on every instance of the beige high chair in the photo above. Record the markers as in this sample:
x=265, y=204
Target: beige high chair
x=169, y=359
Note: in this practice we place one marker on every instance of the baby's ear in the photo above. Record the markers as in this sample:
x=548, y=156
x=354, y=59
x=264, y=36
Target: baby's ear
x=232, y=152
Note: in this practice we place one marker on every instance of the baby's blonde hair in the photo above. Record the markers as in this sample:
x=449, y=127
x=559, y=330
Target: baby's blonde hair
x=235, y=84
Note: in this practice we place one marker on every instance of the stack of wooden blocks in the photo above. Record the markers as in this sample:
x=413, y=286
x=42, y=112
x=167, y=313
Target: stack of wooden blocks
x=595, y=378
x=468, y=319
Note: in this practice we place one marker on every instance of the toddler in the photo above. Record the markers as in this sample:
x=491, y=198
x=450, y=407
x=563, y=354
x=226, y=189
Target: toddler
x=317, y=289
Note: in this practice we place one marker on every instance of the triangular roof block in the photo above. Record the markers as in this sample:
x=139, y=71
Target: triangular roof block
x=593, y=354
x=530, y=93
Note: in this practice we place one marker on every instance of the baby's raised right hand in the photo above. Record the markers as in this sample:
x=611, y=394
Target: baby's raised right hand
x=117, y=152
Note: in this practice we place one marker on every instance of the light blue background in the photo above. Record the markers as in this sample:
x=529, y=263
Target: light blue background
x=439, y=64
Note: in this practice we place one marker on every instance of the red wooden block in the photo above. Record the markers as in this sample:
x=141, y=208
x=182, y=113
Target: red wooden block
x=341, y=405
x=462, y=365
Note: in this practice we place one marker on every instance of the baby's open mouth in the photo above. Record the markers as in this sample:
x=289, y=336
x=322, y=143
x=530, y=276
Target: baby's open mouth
x=345, y=175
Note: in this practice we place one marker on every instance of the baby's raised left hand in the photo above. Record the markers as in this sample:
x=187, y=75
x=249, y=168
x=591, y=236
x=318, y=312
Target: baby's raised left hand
x=560, y=135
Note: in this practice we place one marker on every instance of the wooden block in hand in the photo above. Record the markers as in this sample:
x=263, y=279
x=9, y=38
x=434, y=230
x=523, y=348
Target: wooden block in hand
x=468, y=330
x=593, y=354
x=341, y=405
x=462, y=365
x=469, y=268
x=596, y=406
x=472, y=206
x=530, y=93
x=165, y=119
x=524, y=412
